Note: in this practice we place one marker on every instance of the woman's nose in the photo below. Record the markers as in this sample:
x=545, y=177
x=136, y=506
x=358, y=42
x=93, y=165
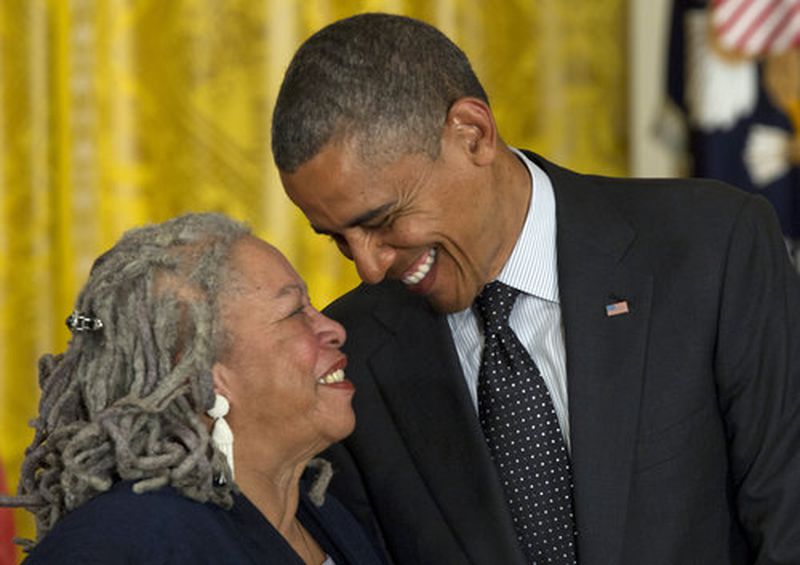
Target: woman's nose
x=331, y=332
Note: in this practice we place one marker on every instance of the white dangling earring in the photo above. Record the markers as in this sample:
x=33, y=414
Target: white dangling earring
x=221, y=432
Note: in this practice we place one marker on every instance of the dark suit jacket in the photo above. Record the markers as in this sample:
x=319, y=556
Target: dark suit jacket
x=684, y=413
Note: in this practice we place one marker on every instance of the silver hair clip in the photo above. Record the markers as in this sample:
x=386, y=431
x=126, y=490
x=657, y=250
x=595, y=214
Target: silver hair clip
x=77, y=322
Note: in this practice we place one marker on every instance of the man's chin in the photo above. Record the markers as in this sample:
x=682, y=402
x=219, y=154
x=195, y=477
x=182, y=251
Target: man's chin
x=447, y=304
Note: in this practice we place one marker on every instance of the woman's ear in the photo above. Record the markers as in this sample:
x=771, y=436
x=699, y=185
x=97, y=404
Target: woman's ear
x=471, y=123
x=221, y=376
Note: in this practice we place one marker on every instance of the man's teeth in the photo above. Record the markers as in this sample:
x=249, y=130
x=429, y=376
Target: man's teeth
x=335, y=377
x=422, y=270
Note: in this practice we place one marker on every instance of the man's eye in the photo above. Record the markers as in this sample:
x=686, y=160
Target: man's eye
x=384, y=223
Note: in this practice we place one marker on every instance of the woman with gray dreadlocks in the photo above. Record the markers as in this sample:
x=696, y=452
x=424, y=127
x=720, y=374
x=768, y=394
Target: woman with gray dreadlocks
x=179, y=424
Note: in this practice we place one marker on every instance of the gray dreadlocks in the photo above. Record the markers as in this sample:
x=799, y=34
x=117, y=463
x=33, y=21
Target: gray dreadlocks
x=125, y=402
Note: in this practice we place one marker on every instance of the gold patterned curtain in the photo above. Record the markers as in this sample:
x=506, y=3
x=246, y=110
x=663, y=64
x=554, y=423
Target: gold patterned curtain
x=114, y=113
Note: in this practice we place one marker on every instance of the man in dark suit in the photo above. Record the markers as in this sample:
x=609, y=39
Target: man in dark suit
x=663, y=317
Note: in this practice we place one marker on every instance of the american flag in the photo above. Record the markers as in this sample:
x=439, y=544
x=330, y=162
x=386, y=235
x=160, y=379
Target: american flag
x=754, y=28
x=617, y=308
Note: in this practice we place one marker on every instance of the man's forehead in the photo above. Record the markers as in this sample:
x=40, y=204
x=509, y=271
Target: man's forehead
x=333, y=191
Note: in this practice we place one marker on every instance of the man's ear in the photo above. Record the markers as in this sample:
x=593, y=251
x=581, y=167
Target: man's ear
x=471, y=124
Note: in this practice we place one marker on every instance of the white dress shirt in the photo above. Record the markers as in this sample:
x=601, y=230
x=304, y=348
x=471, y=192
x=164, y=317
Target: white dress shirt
x=536, y=316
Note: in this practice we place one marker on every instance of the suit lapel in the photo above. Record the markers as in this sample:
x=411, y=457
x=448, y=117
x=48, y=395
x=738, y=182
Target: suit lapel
x=605, y=357
x=420, y=378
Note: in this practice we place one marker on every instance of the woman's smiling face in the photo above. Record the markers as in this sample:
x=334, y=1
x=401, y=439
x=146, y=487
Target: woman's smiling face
x=279, y=353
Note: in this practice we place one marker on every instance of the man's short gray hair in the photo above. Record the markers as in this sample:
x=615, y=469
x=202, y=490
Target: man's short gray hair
x=381, y=80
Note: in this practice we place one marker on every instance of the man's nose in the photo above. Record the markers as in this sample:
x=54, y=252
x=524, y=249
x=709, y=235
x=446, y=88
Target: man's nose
x=372, y=258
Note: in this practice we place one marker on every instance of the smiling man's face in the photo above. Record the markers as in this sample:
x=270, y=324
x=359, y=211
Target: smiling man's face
x=433, y=224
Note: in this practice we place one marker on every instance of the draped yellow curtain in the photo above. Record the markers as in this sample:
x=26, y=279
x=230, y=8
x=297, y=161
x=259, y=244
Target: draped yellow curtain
x=114, y=113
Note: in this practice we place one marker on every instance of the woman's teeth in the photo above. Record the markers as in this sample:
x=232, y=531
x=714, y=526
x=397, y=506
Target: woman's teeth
x=422, y=270
x=335, y=377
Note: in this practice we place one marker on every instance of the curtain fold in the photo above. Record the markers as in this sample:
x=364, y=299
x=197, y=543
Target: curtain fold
x=114, y=113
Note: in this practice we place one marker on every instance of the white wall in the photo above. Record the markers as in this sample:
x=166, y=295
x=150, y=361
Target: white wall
x=648, y=35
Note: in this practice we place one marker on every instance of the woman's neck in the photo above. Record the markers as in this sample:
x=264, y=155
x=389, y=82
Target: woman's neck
x=276, y=494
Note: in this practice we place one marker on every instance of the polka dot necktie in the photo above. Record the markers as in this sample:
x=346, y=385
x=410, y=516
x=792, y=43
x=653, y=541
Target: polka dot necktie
x=524, y=437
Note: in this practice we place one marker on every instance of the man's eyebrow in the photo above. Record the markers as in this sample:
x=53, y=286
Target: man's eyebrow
x=360, y=219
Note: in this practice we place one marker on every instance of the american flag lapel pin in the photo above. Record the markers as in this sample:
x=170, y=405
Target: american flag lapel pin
x=617, y=308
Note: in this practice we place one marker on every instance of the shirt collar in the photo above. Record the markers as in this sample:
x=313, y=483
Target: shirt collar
x=532, y=266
